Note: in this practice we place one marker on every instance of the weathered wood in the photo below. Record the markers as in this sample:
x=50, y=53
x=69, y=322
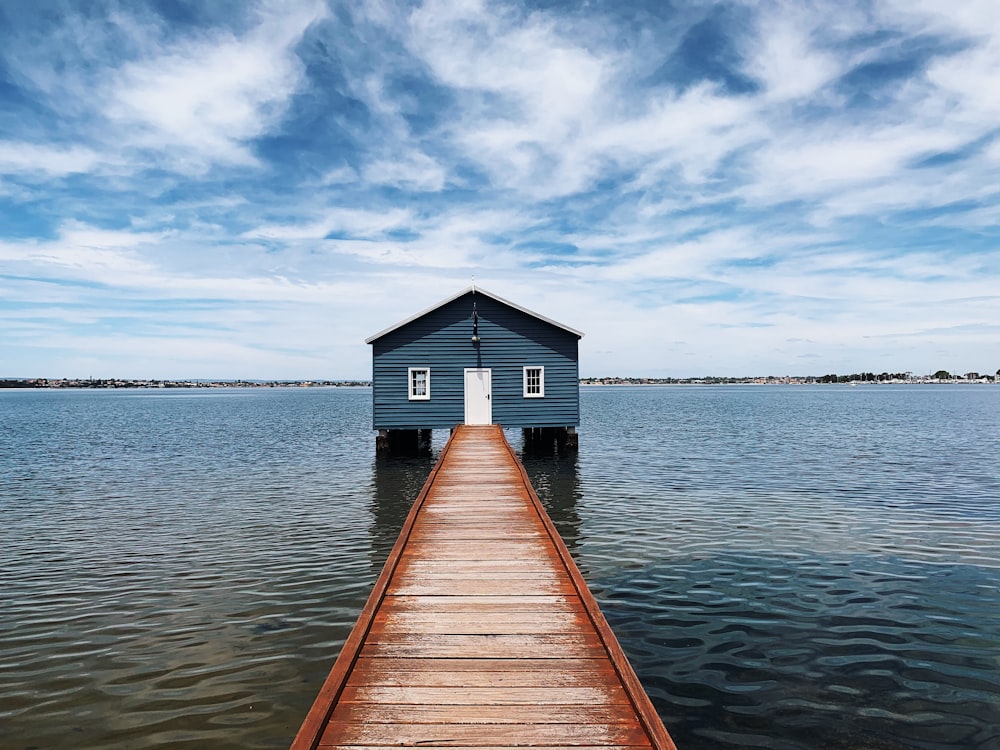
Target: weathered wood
x=464, y=587
x=480, y=631
x=487, y=550
x=418, y=564
x=486, y=696
x=484, y=672
x=491, y=747
x=488, y=646
x=388, y=625
x=542, y=603
x=478, y=735
x=428, y=713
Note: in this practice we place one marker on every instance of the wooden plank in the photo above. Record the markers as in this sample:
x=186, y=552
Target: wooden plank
x=429, y=713
x=482, y=672
x=484, y=528
x=478, y=587
x=443, y=535
x=415, y=563
x=500, y=602
x=555, y=677
x=479, y=551
x=476, y=525
x=474, y=663
x=570, y=646
x=479, y=735
x=516, y=582
x=473, y=623
x=486, y=696
x=495, y=747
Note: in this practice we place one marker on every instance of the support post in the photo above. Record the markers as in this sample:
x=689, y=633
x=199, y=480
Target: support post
x=403, y=442
x=572, y=440
x=424, y=438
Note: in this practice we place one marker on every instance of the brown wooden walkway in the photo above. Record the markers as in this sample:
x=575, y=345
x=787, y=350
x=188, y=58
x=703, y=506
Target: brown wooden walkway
x=480, y=631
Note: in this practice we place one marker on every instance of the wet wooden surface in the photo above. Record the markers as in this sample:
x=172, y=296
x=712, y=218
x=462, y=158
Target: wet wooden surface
x=480, y=632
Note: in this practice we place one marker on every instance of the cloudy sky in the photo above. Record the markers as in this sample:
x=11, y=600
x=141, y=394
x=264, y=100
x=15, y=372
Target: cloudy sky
x=229, y=189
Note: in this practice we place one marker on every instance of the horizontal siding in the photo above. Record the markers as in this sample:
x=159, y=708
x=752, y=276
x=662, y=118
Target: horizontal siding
x=510, y=340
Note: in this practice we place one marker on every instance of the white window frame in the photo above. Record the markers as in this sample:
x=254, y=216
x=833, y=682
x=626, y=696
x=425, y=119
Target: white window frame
x=426, y=396
x=541, y=381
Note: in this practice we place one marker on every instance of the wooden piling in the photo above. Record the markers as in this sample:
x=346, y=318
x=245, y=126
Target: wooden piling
x=403, y=442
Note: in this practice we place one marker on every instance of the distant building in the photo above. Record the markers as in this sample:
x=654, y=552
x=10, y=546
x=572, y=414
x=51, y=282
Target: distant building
x=475, y=358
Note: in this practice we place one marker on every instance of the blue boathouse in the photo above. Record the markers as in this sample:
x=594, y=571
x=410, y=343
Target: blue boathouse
x=476, y=358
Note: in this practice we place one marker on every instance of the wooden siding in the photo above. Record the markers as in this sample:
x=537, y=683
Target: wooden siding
x=480, y=630
x=510, y=341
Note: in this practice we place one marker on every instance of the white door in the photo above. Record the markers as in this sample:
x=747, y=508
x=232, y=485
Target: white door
x=478, y=396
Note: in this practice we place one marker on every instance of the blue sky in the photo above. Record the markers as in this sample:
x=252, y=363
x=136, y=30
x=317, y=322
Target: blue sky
x=230, y=189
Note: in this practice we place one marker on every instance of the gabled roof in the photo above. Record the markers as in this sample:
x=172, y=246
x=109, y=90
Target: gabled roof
x=476, y=290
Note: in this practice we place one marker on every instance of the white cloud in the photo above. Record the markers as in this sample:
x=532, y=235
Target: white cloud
x=693, y=259
x=82, y=253
x=833, y=164
x=784, y=56
x=852, y=162
x=687, y=134
x=198, y=101
x=46, y=160
x=529, y=93
x=413, y=171
x=354, y=222
x=441, y=247
x=341, y=175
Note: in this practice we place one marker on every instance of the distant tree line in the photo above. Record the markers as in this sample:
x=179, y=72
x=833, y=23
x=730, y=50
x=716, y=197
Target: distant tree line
x=865, y=377
x=871, y=377
x=121, y=383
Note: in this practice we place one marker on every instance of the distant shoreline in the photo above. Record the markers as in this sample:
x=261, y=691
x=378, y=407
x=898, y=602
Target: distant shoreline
x=115, y=383
x=923, y=380
x=118, y=383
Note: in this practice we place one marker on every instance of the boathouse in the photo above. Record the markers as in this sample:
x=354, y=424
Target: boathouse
x=475, y=359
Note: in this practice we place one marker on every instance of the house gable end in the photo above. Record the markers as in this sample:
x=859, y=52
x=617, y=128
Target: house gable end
x=474, y=292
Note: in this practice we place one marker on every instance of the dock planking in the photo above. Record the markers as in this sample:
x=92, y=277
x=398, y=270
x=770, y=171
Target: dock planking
x=480, y=631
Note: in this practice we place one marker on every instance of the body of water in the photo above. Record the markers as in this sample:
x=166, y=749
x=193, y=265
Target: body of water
x=787, y=567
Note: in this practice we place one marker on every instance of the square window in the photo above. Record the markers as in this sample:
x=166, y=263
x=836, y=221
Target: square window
x=534, y=382
x=419, y=379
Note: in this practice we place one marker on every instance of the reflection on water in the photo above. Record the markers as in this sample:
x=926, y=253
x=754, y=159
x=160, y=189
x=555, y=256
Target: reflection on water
x=790, y=568
x=556, y=479
x=397, y=481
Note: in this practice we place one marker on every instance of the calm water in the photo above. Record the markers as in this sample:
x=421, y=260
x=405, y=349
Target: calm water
x=787, y=567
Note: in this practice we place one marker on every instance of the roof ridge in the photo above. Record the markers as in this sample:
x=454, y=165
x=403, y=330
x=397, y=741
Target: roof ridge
x=474, y=290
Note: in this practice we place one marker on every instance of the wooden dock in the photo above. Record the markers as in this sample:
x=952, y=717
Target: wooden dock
x=480, y=631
